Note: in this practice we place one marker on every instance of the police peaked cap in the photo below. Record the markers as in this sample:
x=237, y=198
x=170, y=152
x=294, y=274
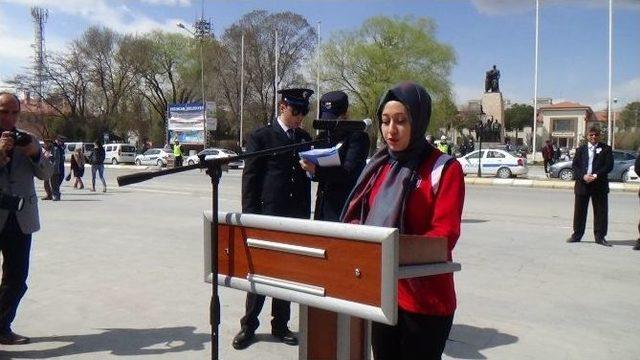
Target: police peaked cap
x=296, y=96
x=333, y=104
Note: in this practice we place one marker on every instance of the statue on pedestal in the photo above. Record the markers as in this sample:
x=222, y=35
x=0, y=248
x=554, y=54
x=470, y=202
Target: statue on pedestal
x=491, y=80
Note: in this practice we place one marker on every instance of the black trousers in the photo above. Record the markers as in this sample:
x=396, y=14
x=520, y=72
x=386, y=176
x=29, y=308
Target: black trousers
x=416, y=336
x=280, y=310
x=600, y=204
x=15, y=247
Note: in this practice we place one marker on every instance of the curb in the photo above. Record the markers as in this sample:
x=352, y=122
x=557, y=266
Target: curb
x=548, y=184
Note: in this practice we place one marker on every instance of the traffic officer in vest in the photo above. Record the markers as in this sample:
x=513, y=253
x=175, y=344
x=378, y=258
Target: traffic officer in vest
x=177, y=152
x=444, y=146
x=276, y=185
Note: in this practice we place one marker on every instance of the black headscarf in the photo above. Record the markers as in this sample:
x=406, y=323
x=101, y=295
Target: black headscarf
x=402, y=177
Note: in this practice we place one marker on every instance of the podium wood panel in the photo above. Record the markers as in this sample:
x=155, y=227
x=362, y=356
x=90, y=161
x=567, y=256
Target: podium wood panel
x=336, y=273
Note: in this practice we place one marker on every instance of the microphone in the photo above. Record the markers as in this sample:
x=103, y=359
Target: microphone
x=342, y=125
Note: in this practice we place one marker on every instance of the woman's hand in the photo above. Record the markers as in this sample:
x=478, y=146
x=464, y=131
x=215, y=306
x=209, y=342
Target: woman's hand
x=308, y=166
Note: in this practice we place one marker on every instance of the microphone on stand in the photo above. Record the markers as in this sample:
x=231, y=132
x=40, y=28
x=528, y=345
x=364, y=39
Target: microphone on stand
x=342, y=125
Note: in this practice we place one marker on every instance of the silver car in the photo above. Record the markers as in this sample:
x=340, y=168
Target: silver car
x=622, y=161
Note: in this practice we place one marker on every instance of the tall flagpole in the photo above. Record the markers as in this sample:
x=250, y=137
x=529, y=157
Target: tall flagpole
x=275, y=81
x=609, y=127
x=535, y=84
x=318, y=74
x=241, y=87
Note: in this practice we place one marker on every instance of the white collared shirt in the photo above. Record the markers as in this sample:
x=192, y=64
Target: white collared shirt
x=591, y=149
x=282, y=125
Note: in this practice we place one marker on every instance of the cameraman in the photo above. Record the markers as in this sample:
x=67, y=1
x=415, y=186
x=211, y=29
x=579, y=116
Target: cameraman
x=20, y=160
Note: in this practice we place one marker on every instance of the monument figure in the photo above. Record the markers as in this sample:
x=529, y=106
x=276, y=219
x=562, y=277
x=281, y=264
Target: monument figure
x=491, y=81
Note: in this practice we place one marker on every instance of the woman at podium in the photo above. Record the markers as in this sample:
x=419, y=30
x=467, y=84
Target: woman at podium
x=410, y=185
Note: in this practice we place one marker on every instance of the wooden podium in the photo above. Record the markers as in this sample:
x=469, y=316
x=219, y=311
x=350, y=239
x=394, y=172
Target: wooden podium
x=339, y=273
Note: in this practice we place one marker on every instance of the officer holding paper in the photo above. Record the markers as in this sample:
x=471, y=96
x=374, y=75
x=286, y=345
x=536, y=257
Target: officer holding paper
x=335, y=182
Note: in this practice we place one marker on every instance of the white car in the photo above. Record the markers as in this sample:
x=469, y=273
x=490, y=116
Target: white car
x=632, y=175
x=154, y=157
x=214, y=153
x=493, y=162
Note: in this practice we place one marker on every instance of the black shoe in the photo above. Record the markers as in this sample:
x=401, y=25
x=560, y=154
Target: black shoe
x=243, y=339
x=571, y=239
x=286, y=336
x=11, y=338
x=603, y=242
x=637, y=247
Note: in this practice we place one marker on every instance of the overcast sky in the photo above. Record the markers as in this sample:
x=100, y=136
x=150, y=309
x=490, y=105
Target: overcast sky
x=573, y=36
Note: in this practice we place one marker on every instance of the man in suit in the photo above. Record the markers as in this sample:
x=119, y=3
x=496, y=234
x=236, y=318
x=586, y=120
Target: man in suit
x=335, y=182
x=21, y=158
x=275, y=185
x=592, y=163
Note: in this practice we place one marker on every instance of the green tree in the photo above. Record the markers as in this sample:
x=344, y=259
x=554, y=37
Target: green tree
x=630, y=116
x=517, y=117
x=384, y=51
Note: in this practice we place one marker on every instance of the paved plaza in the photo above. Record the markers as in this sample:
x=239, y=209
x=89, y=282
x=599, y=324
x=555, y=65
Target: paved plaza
x=119, y=275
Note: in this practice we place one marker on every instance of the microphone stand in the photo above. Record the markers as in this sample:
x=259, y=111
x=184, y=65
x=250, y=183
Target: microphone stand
x=214, y=170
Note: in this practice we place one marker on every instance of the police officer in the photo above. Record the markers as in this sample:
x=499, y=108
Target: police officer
x=444, y=146
x=177, y=153
x=275, y=185
x=335, y=182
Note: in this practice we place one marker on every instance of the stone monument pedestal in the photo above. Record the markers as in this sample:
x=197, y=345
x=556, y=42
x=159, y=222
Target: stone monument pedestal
x=493, y=108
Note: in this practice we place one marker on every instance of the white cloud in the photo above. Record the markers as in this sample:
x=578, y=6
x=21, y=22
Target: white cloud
x=502, y=7
x=116, y=16
x=168, y=2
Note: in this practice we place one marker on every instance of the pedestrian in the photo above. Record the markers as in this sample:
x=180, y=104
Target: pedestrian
x=335, y=182
x=177, y=153
x=48, y=154
x=637, y=169
x=547, y=155
x=21, y=159
x=412, y=186
x=58, y=150
x=77, y=168
x=591, y=165
x=275, y=185
x=97, y=165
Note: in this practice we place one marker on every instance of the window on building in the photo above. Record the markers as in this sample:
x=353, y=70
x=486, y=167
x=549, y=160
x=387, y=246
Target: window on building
x=559, y=125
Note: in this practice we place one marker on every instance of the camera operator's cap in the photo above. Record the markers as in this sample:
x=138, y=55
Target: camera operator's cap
x=333, y=104
x=296, y=97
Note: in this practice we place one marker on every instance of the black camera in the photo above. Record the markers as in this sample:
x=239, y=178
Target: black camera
x=20, y=138
x=11, y=202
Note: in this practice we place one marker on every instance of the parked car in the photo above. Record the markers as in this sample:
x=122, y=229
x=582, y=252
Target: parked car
x=213, y=153
x=632, y=175
x=70, y=147
x=622, y=161
x=154, y=156
x=119, y=153
x=494, y=162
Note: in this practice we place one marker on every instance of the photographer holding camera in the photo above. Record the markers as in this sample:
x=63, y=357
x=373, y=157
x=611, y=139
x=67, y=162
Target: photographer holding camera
x=21, y=158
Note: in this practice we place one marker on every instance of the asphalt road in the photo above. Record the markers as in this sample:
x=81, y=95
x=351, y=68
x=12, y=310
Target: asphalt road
x=119, y=275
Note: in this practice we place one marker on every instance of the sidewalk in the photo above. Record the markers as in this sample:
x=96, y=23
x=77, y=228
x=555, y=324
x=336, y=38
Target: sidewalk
x=538, y=179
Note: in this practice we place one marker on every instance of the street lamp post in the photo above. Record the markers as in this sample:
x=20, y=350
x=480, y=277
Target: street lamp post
x=202, y=30
x=613, y=127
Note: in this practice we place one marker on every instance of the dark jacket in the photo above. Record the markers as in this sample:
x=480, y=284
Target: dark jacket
x=335, y=182
x=637, y=167
x=97, y=156
x=602, y=165
x=275, y=185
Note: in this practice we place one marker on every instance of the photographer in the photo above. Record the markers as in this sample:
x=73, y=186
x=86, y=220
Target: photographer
x=21, y=158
